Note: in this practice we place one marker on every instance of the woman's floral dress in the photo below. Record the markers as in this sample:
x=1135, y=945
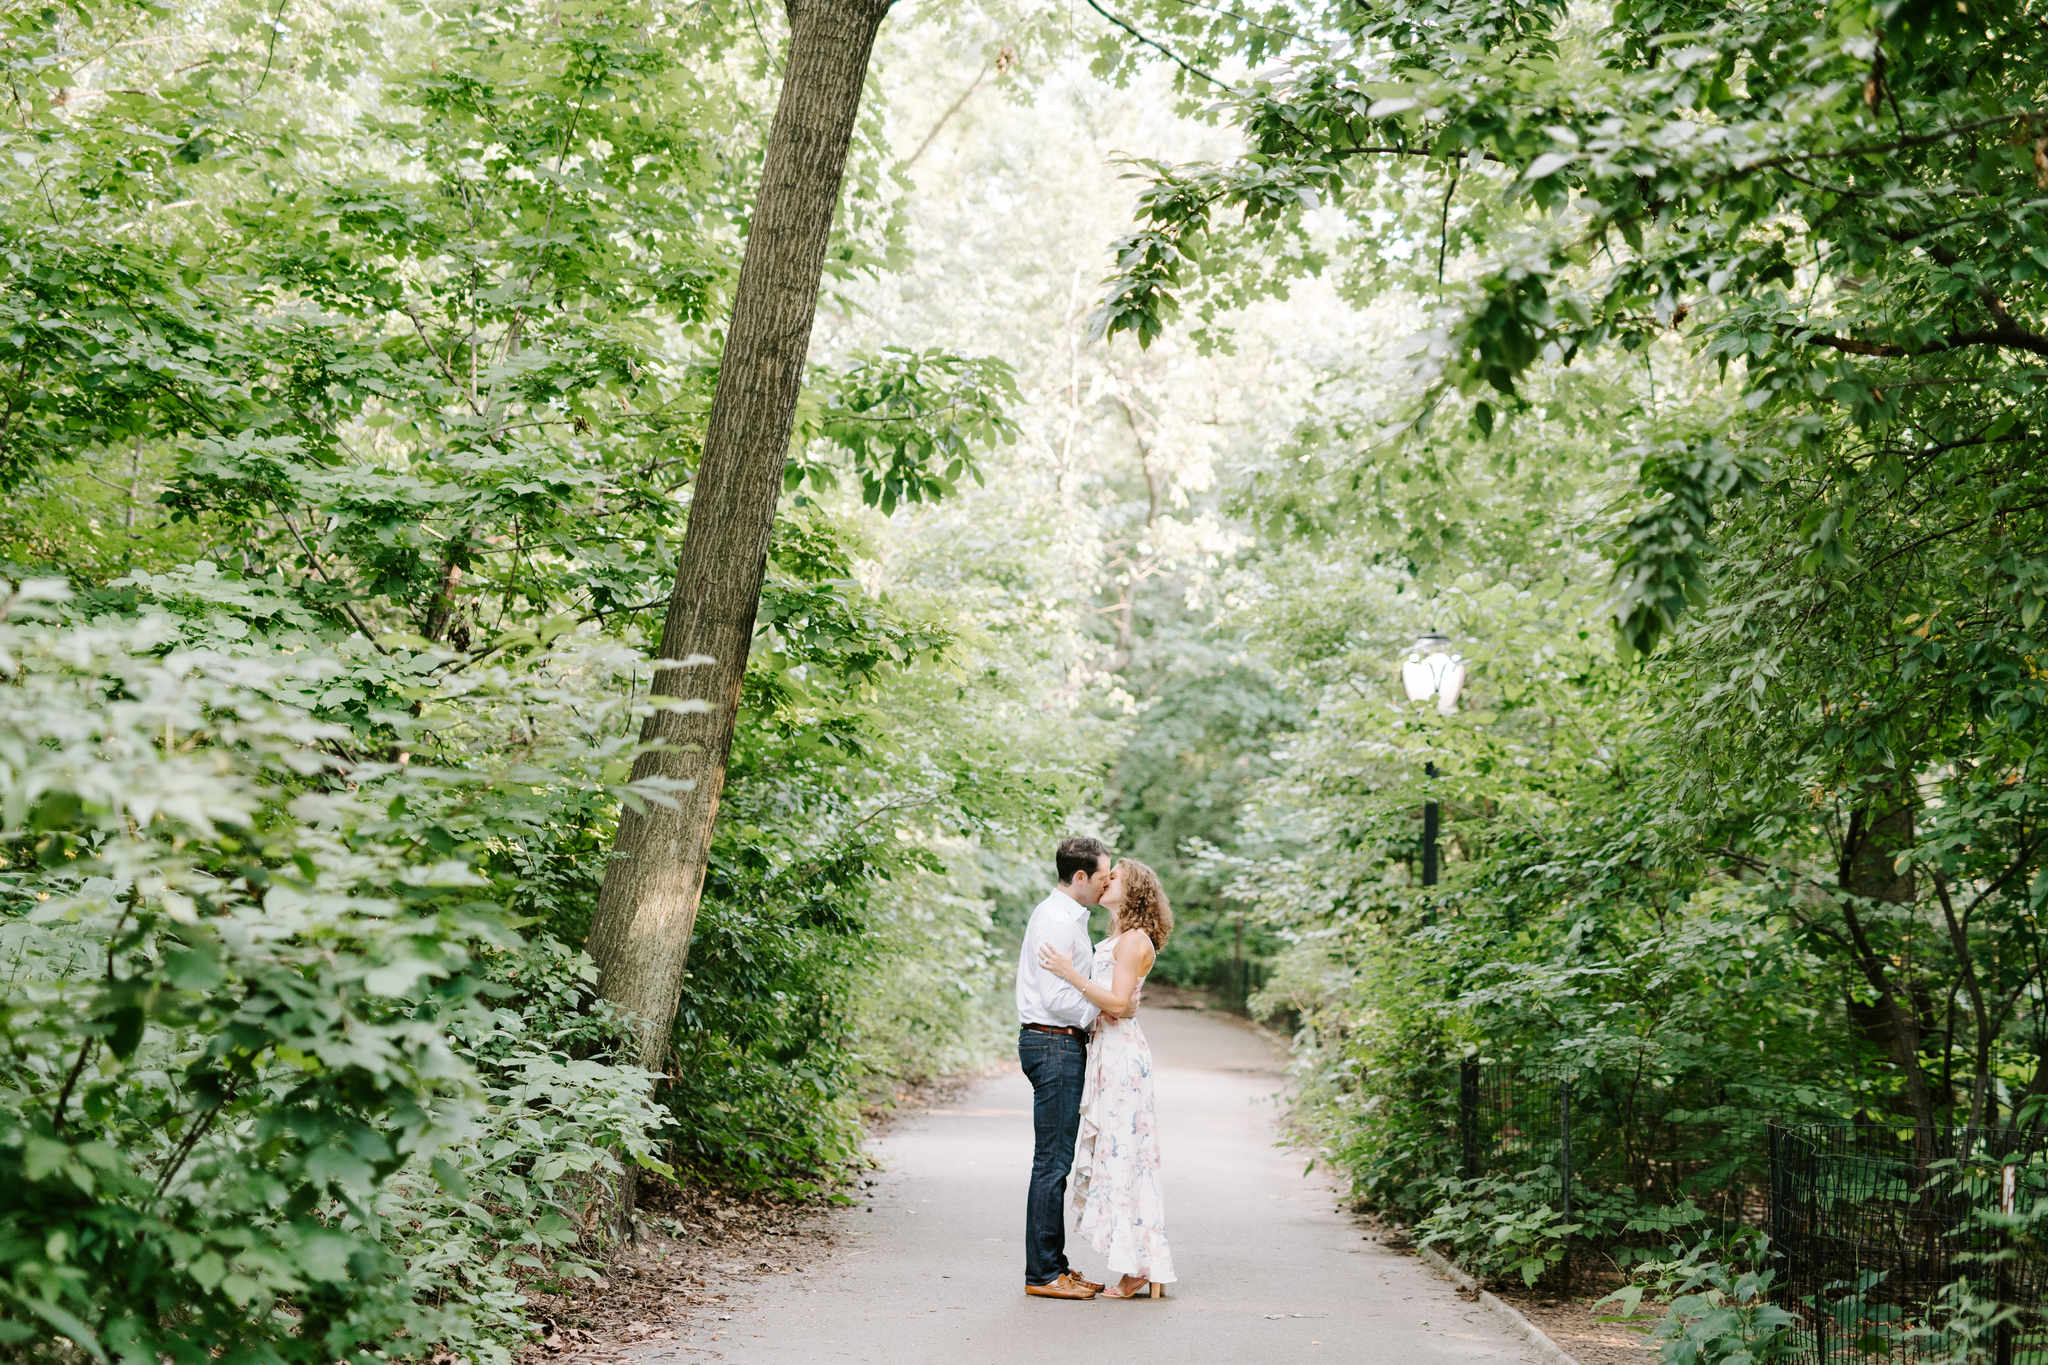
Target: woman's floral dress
x=1114, y=1189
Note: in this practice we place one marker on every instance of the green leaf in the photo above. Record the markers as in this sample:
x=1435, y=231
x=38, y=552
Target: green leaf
x=43, y=1157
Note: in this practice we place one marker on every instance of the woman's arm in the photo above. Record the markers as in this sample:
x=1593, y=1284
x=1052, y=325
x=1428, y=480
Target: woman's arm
x=1120, y=1001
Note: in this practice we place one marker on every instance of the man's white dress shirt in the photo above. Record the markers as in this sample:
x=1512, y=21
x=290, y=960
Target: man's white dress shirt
x=1043, y=998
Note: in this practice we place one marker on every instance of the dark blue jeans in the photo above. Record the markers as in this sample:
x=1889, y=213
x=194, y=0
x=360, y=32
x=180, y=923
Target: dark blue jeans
x=1056, y=1065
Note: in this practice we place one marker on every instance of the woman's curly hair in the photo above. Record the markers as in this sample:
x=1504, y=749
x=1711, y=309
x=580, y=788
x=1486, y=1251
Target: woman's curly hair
x=1145, y=905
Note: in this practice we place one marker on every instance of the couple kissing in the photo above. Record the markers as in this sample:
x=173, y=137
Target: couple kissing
x=1090, y=1069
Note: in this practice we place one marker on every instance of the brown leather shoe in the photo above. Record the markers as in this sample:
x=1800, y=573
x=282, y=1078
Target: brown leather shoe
x=1077, y=1278
x=1065, y=1287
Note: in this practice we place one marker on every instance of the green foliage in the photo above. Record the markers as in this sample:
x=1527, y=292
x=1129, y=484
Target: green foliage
x=1718, y=329
x=1964, y=1327
x=912, y=422
x=1781, y=186
x=353, y=367
x=1719, y=1304
x=1198, y=750
x=253, y=1072
x=1498, y=1227
x=1724, y=1318
x=510, y=1202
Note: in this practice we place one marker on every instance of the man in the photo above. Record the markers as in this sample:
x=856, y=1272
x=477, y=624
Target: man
x=1052, y=1045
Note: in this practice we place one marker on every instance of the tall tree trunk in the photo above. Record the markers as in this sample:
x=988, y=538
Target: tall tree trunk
x=1878, y=834
x=640, y=934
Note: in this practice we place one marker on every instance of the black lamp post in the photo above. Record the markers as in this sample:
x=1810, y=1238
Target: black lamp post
x=1432, y=669
x=1429, y=827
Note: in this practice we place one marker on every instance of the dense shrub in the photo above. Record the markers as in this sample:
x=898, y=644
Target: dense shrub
x=263, y=1095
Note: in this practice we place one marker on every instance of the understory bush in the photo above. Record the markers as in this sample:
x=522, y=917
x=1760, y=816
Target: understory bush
x=514, y=1198
x=279, y=1082
x=1719, y=1305
x=1726, y=1319
x=822, y=978
x=302, y=1061
x=1502, y=1227
x=1670, y=1081
x=1963, y=1327
x=1496, y=1228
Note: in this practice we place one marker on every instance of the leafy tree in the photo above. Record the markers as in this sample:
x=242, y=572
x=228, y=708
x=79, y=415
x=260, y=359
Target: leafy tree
x=356, y=374
x=1845, y=207
x=1794, y=257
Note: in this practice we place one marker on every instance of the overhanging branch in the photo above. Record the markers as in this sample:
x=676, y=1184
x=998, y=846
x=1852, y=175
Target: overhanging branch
x=2011, y=337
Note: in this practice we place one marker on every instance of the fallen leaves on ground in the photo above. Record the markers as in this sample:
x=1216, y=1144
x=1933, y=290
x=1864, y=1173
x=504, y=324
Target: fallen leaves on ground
x=696, y=1246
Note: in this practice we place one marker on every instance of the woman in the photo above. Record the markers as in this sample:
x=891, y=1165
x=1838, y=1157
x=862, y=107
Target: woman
x=1115, y=1183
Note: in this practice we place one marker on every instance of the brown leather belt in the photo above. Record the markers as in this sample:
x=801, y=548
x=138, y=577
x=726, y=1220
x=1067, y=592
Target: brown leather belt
x=1069, y=1031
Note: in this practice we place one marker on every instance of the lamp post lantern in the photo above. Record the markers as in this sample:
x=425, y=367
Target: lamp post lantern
x=1434, y=669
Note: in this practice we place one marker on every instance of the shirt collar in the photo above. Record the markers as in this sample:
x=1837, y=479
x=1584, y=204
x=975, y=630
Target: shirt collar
x=1062, y=901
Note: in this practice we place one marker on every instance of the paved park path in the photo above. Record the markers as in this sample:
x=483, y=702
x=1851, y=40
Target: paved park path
x=1271, y=1272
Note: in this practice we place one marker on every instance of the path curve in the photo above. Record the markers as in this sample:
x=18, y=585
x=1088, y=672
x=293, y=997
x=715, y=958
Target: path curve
x=931, y=1273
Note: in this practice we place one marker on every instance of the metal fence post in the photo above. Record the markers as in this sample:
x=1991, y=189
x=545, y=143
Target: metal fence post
x=1774, y=1158
x=1564, y=1150
x=1564, y=1165
x=2005, y=1337
x=1813, y=1276
x=1468, y=1118
x=1779, y=1215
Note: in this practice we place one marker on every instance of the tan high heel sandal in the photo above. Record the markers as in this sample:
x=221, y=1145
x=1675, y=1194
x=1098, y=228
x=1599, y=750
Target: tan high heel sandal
x=1152, y=1290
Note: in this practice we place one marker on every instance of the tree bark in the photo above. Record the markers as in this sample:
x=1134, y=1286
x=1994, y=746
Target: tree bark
x=1878, y=834
x=640, y=934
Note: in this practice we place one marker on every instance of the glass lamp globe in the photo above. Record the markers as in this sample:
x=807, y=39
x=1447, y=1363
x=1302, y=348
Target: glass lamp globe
x=1434, y=669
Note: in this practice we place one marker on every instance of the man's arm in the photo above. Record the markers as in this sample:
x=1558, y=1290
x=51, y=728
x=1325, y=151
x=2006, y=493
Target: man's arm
x=1067, y=1001
x=1027, y=986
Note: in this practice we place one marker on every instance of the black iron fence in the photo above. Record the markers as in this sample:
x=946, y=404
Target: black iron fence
x=1893, y=1243
x=1664, y=1143
x=1885, y=1233
x=1509, y=1122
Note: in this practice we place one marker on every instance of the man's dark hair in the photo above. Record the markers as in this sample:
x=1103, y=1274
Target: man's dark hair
x=1079, y=854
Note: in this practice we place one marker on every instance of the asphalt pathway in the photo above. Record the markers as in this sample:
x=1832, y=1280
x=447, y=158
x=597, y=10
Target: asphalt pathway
x=933, y=1272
